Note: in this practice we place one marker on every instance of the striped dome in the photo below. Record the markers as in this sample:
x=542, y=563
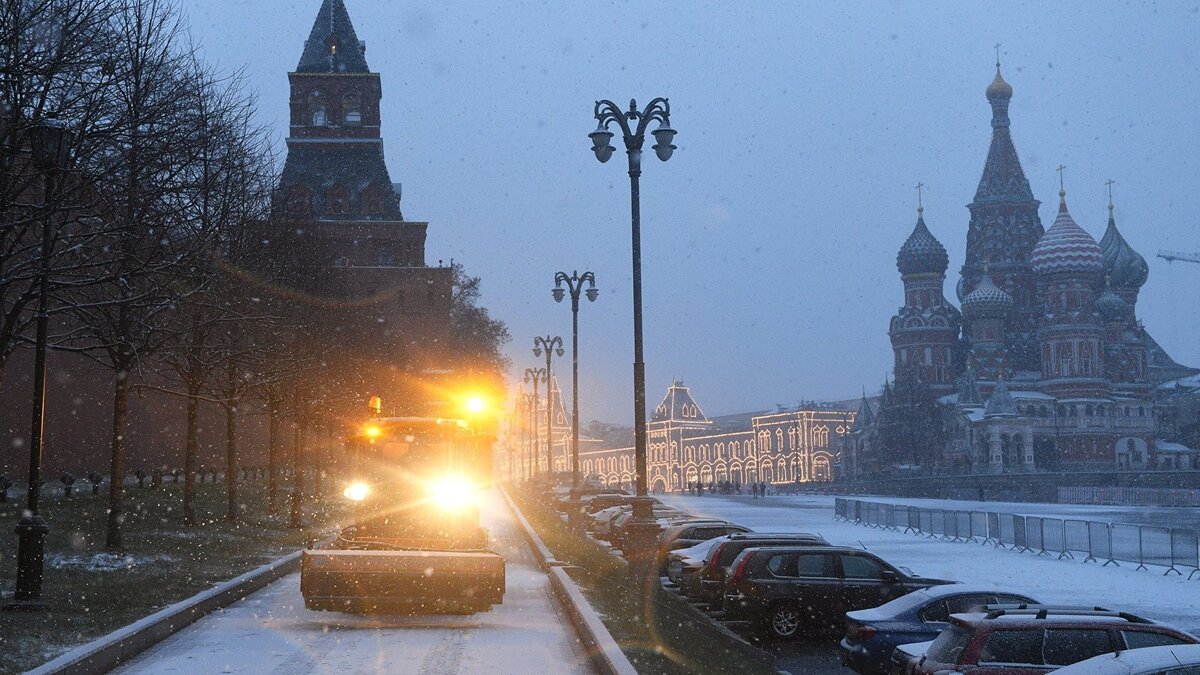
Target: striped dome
x=1066, y=247
x=987, y=300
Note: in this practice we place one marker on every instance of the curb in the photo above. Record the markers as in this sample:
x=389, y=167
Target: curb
x=121, y=645
x=605, y=655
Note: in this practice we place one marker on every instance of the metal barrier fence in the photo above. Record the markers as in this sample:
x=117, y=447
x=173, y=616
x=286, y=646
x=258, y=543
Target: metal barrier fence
x=1178, y=550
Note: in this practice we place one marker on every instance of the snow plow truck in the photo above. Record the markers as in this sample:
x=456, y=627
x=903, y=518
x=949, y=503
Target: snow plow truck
x=416, y=545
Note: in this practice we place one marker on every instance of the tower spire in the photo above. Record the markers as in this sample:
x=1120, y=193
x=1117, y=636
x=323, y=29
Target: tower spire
x=920, y=203
x=1109, y=183
x=1062, y=188
x=332, y=45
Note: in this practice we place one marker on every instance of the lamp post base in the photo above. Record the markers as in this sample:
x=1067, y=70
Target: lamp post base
x=574, y=512
x=31, y=545
x=642, y=538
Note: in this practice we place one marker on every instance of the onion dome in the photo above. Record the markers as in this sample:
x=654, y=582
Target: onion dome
x=922, y=253
x=987, y=300
x=1111, y=307
x=1000, y=403
x=999, y=89
x=1125, y=267
x=1066, y=247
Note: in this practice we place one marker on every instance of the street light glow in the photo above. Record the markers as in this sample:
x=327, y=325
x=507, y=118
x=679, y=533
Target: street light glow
x=476, y=405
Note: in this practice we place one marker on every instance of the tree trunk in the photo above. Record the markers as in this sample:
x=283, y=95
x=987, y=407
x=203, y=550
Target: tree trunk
x=116, y=488
x=231, y=465
x=273, y=453
x=191, y=449
x=318, y=464
x=297, y=468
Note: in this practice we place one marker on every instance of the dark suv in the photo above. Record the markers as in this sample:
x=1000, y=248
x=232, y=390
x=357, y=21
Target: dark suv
x=1029, y=639
x=708, y=582
x=790, y=589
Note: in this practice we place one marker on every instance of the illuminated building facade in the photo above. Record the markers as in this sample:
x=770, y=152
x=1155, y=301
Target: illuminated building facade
x=685, y=446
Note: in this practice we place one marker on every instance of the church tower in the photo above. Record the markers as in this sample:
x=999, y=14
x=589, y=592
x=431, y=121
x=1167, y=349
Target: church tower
x=924, y=331
x=368, y=261
x=1069, y=266
x=1125, y=271
x=1003, y=230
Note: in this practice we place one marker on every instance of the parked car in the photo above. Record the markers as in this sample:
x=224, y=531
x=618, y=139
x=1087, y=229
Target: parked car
x=810, y=588
x=685, y=535
x=686, y=561
x=604, y=501
x=1165, y=660
x=710, y=579
x=616, y=526
x=872, y=634
x=665, y=517
x=1031, y=639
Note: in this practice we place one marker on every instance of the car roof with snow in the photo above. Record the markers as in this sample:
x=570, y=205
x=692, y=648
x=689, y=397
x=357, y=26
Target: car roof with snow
x=1142, y=661
x=924, y=596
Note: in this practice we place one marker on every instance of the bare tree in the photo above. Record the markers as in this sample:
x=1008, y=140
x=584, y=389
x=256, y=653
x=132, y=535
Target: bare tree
x=55, y=64
x=150, y=241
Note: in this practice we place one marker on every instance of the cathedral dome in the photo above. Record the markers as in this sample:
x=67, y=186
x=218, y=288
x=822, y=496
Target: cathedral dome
x=1125, y=267
x=1111, y=306
x=922, y=253
x=999, y=89
x=987, y=300
x=1066, y=247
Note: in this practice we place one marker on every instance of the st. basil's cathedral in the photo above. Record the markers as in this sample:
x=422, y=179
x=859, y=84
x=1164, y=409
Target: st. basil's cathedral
x=1045, y=366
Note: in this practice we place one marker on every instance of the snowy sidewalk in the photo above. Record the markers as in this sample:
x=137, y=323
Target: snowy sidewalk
x=271, y=632
x=1172, y=600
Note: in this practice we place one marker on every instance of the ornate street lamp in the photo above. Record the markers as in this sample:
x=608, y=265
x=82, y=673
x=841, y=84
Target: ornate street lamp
x=643, y=529
x=574, y=288
x=49, y=143
x=535, y=375
x=550, y=346
x=529, y=448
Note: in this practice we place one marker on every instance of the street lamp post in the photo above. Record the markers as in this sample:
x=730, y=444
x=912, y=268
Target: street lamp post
x=643, y=529
x=50, y=144
x=527, y=430
x=574, y=289
x=550, y=346
x=535, y=375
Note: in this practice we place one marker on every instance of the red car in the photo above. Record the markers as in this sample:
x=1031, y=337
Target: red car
x=1028, y=639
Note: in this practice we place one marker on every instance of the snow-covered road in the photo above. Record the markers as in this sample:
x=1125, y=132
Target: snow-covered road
x=271, y=632
x=1172, y=599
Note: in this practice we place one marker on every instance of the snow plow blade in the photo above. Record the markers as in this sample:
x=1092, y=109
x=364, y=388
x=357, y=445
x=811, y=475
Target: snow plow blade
x=409, y=582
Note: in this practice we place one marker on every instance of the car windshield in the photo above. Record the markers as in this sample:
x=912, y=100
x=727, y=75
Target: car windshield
x=489, y=311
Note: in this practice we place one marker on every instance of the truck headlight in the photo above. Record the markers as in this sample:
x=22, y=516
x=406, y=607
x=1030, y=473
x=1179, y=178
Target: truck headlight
x=356, y=492
x=452, y=493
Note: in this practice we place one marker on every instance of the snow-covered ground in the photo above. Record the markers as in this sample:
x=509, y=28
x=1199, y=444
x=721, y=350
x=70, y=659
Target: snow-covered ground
x=271, y=632
x=1172, y=599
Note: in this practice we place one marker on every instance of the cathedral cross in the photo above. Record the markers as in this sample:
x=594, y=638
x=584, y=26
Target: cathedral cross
x=1109, y=183
x=920, y=204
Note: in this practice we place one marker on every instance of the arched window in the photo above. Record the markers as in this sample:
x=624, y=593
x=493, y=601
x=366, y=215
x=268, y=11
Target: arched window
x=300, y=201
x=337, y=200
x=372, y=200
x=353, y=110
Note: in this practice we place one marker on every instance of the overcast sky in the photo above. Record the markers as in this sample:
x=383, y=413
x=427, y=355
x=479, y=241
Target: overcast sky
x=769, y=239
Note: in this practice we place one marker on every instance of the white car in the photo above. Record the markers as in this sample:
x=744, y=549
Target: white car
x=1165, y=660
x=682, y=560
